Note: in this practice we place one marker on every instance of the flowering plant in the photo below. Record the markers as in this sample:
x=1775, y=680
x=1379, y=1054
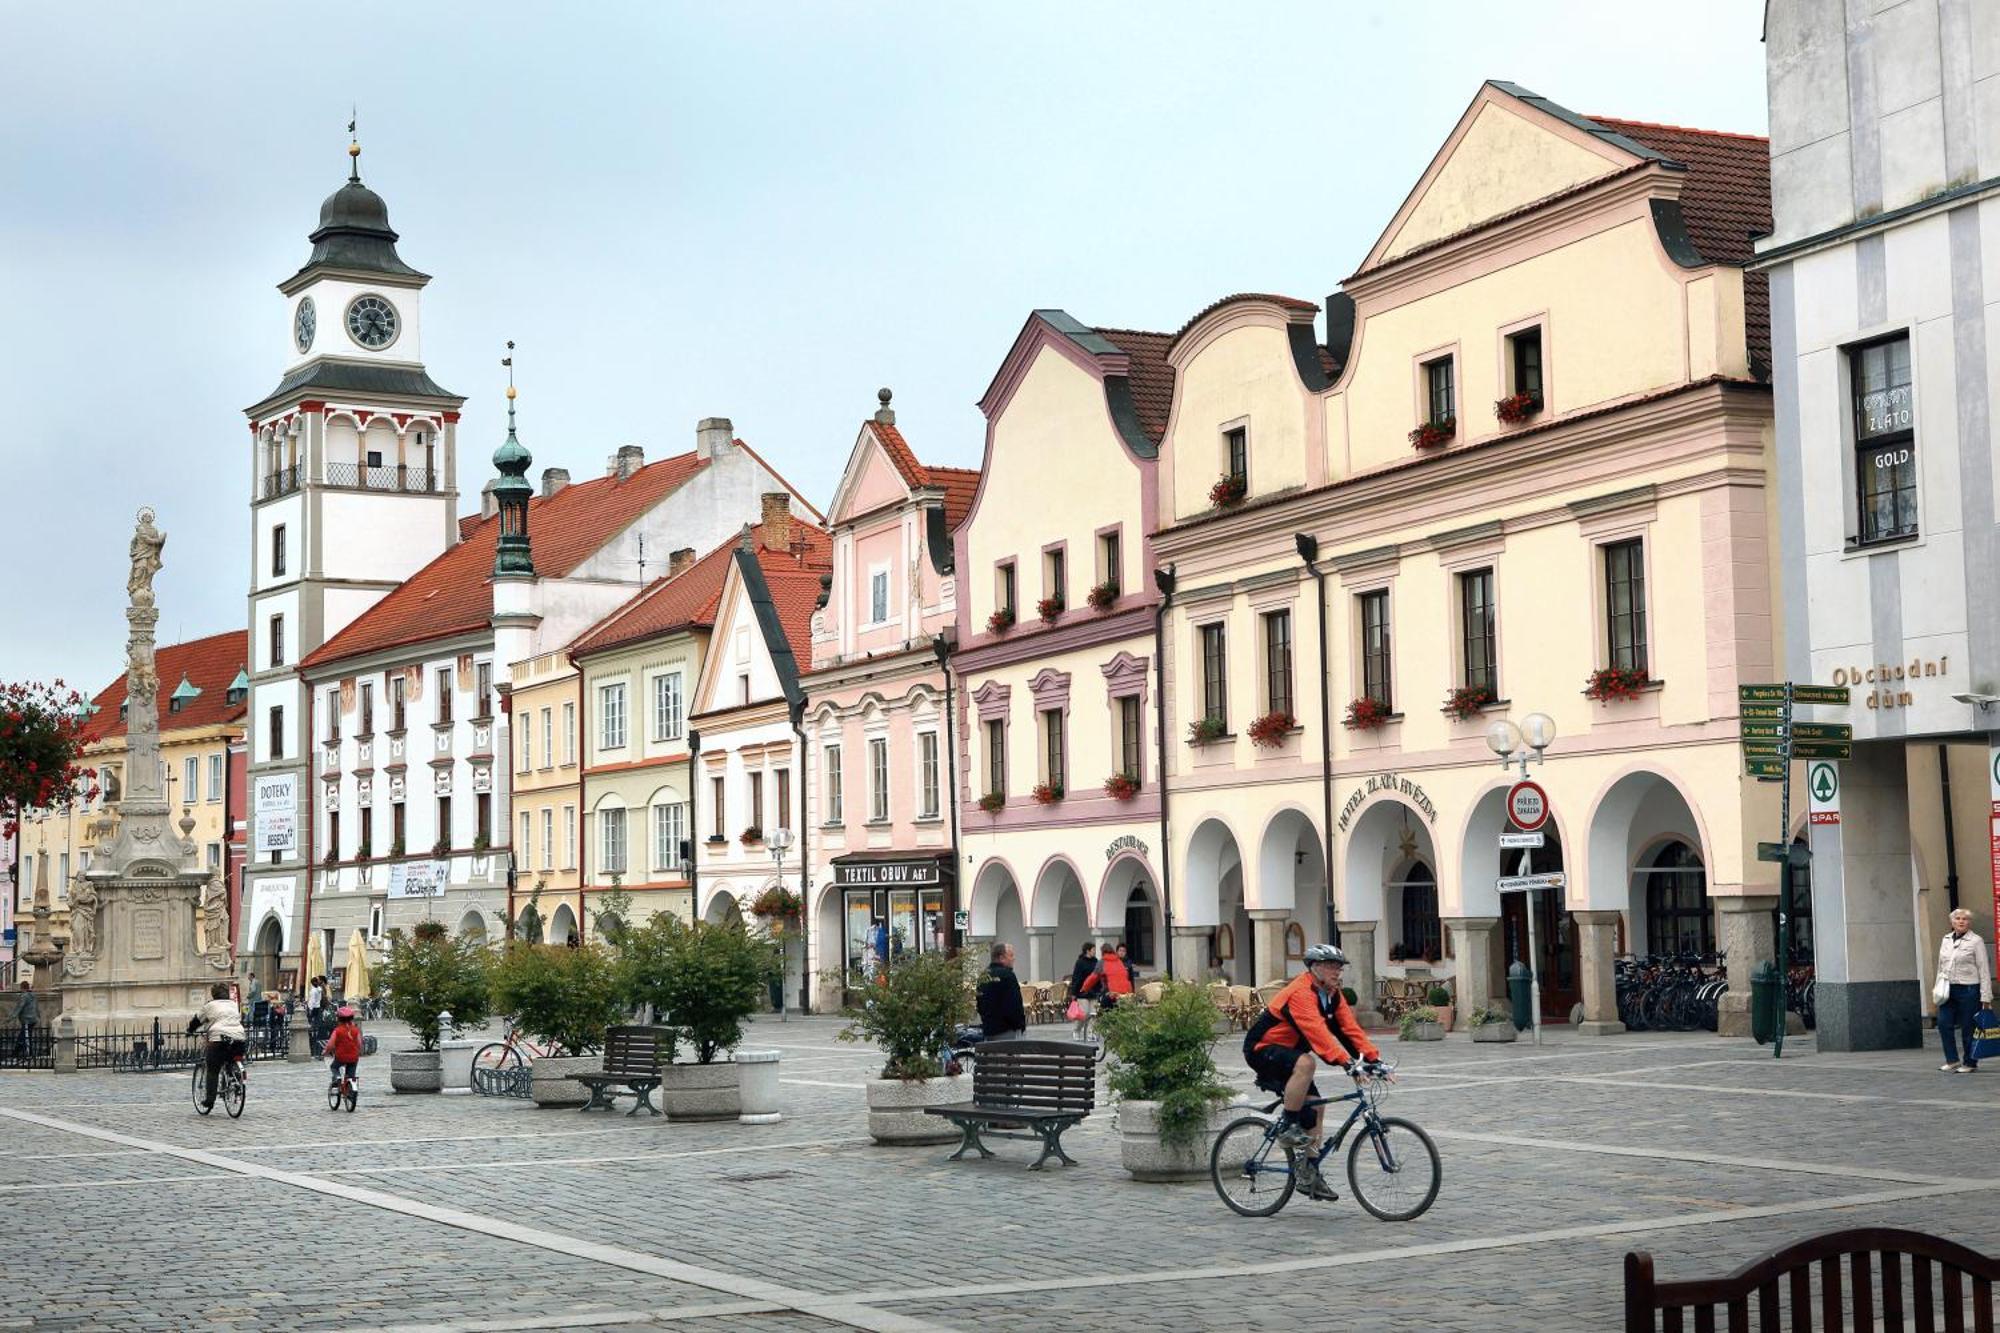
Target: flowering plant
x=1047, y=793
x=1048, y=609
x=1000, y=621
x=1121, y=786
x=776, y=901
x=1518, y=407
x=992, y=801
x=1433, y=433
x=1230, y=490
x=754, y=833
x=1467, y=700
x=1269, y=730
x=1203, y=730
x=41, y=739
x=1609, y=683
x=1103, y=595
x=1365, y=714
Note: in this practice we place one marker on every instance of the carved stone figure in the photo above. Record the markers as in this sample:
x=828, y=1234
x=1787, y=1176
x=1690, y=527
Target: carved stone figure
x=147, y=542
x=212, y=920
x=82, y=929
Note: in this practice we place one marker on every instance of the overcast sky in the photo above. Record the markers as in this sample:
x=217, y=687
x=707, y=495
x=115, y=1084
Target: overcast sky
x=756, y=211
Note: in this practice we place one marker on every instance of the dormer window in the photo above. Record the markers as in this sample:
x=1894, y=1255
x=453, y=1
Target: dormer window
x=1236, y=453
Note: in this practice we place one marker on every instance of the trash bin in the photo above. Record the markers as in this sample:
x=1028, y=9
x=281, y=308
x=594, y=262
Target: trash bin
x=1767, y=999
x=777, y=995
x=1519, y=996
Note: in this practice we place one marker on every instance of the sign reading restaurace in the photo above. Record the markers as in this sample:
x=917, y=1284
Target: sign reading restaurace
x=1527, y=805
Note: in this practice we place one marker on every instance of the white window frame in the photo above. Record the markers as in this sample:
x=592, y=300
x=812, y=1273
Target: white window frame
x=215, y=776
x=929, y=778
x=878, y=780
x=569, y=734
x=611, y=840
x=669, y=828
x=569, y=837
x=835, y=805
x=527, y=836
x=548, y=738
x=669, y=707
x=878, y=578
x=611, y=719
x=548, y=838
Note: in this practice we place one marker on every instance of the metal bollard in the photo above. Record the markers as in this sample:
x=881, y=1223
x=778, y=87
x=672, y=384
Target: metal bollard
x=1519, y=996
x=1766, y=1002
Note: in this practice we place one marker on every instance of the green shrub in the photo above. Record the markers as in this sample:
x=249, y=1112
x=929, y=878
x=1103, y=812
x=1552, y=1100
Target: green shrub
x=910, y=1010
x=431, y=974
x=566, y=995
x=1438, y=995
x=1407, y=1029
x=704, y=980
x=1353, y=1000
x=1482, y=1017
x=1163, y=1053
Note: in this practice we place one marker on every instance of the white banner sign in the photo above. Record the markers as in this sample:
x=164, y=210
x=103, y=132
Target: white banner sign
x=1515, y=883
x=275, y=819
x=418, y=879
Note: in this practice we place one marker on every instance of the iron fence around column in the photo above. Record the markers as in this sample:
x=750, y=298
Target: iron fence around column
x=167, y=1047
x=27, y=1048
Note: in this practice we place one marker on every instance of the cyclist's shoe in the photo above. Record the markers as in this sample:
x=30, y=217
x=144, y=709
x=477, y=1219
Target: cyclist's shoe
x=1292, y=1134
x=1314, y=1185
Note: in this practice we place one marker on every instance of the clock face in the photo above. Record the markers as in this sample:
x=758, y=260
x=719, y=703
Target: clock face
x=304, y=324
x=371, y=321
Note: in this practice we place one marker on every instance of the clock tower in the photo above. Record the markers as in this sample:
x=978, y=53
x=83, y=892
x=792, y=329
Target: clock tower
x=353, y=488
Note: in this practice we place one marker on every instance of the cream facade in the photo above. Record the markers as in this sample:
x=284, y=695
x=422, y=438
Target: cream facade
x=545, y=707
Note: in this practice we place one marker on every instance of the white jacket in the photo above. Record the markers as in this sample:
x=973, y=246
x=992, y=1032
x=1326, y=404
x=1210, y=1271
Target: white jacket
x=224, y=1020
x=1962, y=962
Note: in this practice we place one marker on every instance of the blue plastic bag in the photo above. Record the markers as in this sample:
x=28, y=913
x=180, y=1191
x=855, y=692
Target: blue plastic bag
x=1985, y=1035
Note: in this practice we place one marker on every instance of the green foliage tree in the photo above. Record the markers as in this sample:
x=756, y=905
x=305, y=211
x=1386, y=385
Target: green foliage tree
x=429, y=973
x=42, y=735
x=911, y=1010
x=705, y=980
x=1164, y=1053
x=565, y=995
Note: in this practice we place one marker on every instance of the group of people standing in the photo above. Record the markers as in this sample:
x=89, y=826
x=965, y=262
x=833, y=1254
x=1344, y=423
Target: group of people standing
x=1093, y=980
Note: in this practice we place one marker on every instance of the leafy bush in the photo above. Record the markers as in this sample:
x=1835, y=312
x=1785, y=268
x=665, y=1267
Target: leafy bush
x=1348, y=993
x=1407, y=1029
x=1163, y=1053
x=1438, y=995
x=431, y=974
x=1483, y=1017
x=566, y=995
x=704, y=980
x=911, y=1010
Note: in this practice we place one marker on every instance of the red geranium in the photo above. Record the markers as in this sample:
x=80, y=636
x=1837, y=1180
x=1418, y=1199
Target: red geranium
x=41, y=739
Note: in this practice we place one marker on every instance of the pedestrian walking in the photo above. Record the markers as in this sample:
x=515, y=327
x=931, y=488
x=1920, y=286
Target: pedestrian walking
x=1131, y=969
x=1964, y=986
x=26, y=1014
x=1001, y=1013
x=1111, y=980
x=1079, y=1010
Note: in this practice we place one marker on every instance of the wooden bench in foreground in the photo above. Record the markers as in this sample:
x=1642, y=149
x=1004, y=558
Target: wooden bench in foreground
x=1042, y=1087
x=633, y=1055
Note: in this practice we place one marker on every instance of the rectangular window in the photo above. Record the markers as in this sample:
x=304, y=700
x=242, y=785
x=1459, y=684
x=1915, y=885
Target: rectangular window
x=878, y=596
x=366, y=847
x=398, y=713
x=483, y=814
x=715, y=804
x=569, y=837
x=1110, y=563
x=444, y=823
x=190, y=784
x=667, y=707
x=757, y=800
x=548, y=838
x=215, y=762
x=833, y=810
x=783, y=814
x=569, y=733
x=1003, y=588
x=333, y=835
x=399, y=827
x=1625, y=604
x=743, y=687
x=1376, y=674
x=1476, y=631
x=1053, y=767
x=611, y=716
x=444, y=694
x=527, y=748
x=996, y=757
x=927, y=775
x=1214, y=674
x=548, y=737
x=1236, y=453
x=278, y=551
x=611, y=827
x=482, y=688
x=367, y=708
x=1129, y=736
x=878, y=781
x=527, y=839
x=1885, y=440
x=214, y=857
x=62, y=871
x=1278, y=662
x=333, y=714
x=1524, y=362
x=1055, y=576
x=1440, y=401
x=277, y=641
x=276, y=738
x=669, y=828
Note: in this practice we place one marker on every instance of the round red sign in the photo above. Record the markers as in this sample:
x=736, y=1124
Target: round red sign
x=1527, y=806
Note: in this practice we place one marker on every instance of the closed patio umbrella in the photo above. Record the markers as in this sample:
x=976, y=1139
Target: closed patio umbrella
x=315, y=962
x=357, y=965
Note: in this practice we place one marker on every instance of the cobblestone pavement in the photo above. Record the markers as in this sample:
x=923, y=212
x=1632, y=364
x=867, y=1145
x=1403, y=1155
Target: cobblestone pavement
x=481, y=1216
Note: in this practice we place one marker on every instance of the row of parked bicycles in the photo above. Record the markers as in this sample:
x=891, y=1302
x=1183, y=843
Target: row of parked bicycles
x=1681, y=992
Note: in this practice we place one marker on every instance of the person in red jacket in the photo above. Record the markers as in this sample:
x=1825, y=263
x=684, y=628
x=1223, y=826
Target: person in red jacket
x=343, y=1047
x=1307, y=1022
x=1111, y=980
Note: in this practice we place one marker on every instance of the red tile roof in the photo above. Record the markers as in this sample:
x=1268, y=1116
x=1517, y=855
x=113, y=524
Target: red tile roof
x=209, y=664
x=959, y=484
x=1152, y=379
x=1289, y=302
x=453, y=593
x=688, y=599
x=793, y=579
x=900, y=453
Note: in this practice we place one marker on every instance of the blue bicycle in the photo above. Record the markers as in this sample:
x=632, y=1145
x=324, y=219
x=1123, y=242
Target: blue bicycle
x=1392, y=1165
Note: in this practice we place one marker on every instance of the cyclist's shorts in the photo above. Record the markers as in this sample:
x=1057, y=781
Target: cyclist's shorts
x=1273, y=1067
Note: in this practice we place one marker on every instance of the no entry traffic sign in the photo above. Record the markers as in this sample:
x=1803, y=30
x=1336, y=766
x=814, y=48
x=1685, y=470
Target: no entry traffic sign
x=1527, y=805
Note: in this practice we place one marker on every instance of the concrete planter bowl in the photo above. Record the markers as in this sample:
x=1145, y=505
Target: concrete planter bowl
x=1147, y=1158
x=1425, y=1032
x=701, y=1092
x=549, y=1083
x=896, y=1109
x=1494, y=1031
x=416, y=1071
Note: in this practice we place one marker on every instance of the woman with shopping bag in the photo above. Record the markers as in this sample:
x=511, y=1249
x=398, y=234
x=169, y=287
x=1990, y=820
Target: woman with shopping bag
x=1964, y=986
x=1078, y=1011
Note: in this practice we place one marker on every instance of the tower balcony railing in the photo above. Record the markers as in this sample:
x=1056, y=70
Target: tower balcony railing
x=385, y=477
x=282, y=482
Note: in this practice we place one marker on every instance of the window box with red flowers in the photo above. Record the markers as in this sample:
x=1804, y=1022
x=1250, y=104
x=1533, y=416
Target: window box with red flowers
x=1271, y=729
x=991, y=802
x=1229, y=491
x=1608, y=684
x=1103, y=595
x=751, y=836
x=1000, y=621
x=1466, y=701
x=1121, y=786
x=1048, y=609
x=1434, y=433
x=1047, y=793
x=1517, y=408
x=1204, y=730
x=1366, y=714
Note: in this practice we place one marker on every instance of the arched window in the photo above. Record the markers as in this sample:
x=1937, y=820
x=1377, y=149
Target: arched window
x=1139, y=927
x=1422, y=932
x=1678, y=919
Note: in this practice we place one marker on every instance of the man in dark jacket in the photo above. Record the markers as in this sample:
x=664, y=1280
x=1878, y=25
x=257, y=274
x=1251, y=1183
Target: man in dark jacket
x=1001, y=1012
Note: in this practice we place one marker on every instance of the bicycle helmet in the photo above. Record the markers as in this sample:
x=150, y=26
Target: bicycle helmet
x=345, y=1011
x=1325, y=953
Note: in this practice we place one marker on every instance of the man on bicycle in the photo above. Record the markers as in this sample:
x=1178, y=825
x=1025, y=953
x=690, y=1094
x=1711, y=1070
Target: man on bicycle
x=224, y=1021
x=1295, y=1032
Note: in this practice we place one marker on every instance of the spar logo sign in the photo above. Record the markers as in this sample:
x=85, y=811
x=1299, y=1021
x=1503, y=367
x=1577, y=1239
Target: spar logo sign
x=1823, y=793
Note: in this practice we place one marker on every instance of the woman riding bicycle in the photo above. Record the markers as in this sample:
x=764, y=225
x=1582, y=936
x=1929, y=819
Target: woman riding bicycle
x=1300, y=1023
x=224, y=1022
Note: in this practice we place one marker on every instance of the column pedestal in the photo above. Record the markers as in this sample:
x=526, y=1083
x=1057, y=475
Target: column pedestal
x=1472, y=950
x=1267, y=931
x=1748, y=938
x=1597, y=947
x=1041, y=953
x=1190, y=946
x=1357, y=941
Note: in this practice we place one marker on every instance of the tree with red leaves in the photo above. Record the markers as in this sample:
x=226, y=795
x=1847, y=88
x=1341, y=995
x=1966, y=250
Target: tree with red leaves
x=41, y=741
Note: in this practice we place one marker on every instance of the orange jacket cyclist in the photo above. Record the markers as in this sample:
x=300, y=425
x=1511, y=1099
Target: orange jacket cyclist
x=1307, y=1022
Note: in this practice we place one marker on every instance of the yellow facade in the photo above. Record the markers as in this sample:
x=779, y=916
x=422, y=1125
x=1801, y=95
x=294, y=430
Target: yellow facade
x=547, y=789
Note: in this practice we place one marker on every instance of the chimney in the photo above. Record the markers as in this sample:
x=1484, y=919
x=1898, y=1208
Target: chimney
x=885, y=414
x=712, y=435
x=553, y=480
x=679, y=561
x=777, y=521
x=488, y=505
x=629, y=459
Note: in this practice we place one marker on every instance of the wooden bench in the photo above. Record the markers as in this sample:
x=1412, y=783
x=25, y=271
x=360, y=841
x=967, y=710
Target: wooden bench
x=632, y=1058
x=1042, y=1087
x=1915, y=1281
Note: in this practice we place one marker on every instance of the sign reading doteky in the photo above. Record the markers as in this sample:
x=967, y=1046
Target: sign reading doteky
x=276, y=816
x=1527, y=805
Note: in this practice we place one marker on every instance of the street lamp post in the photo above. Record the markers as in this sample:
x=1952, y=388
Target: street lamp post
x=779, y=840
x=1523, y=745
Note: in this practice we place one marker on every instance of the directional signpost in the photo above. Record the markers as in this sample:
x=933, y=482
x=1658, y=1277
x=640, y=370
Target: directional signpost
x=1771, y=741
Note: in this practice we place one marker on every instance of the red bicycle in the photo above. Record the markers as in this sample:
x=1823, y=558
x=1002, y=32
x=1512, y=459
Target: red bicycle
x=345, y=1089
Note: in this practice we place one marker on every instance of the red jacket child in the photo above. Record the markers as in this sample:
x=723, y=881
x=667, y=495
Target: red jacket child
x=345, y=1043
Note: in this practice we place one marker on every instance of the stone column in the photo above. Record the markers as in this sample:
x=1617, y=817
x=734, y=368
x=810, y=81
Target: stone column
x=1597, y=946
x=1190, y=945
x=65, y=1045
x=1357, y=941
x=298, y=1044
x=1748, y=938
x=1267, y=930
x=1041, y=958
x=1472, y=951
x=1870, y=969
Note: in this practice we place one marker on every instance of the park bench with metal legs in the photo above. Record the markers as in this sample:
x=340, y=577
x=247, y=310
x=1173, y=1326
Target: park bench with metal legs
x=1031, y=1090
x=1869, y=1278
x=633, y=1055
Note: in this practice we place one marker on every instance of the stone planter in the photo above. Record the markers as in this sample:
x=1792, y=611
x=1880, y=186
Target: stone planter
x=416, y=1071
x=896, y=1109
x=757, y=1086
x=701, y=1092
x=1494, y=1032
x=458, y=1064
x=549, y=1082
x=1426, y=1032
x=1142, y=1153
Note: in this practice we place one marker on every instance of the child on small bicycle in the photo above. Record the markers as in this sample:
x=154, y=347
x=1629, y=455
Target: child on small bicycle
x=343, y=1047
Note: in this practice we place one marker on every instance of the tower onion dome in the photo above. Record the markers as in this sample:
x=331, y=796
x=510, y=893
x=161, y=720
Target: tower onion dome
x=354, y=231
x=511, y=553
